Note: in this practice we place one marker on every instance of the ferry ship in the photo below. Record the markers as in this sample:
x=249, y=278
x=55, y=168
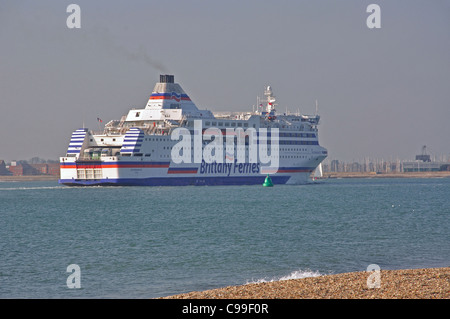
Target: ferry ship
x=172, y=142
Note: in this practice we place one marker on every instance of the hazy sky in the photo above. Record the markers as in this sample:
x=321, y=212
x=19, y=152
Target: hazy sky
x=382, y=93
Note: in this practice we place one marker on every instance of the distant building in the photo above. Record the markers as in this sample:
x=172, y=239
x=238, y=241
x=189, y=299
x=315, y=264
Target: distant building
x=420, y=166
x=25, y=169
x=46, y=168
x=423, y=163
x=356, y=167
x=423, y=158
x=3, y=170
x=16, y=170
x=334, y=165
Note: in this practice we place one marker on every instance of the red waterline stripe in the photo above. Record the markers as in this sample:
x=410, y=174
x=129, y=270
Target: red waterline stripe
x=115, y=166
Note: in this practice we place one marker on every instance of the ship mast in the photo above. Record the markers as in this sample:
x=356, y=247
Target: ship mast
x=270, y=100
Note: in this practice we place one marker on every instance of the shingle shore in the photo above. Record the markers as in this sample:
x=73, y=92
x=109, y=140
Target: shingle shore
x=428, y=283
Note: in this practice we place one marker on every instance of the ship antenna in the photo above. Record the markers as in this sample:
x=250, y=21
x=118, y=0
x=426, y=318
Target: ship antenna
x=317, y=107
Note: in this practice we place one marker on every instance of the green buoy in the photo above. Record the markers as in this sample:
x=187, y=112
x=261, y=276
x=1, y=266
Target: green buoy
x=268, y=181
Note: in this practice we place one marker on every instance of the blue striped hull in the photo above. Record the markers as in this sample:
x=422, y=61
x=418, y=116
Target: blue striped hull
x=176, y=181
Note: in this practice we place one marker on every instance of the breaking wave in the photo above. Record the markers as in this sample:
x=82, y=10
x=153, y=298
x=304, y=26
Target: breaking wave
x=297, y=274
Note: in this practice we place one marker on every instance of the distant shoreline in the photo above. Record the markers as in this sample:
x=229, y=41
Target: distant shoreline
x=28, y=178
x=439, y=174
x=34, y=178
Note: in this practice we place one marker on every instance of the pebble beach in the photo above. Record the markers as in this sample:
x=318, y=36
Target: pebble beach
x=428, y=283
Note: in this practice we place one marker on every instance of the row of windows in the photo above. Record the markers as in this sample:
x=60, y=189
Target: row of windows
x=97, y=175
x=298, y=143
x=89, y=173
x=297, y=135
x=239, y=149
x=280, y=135
x=226, y=124
x=156, y=139
x=146, y=139
x=283, y=142
x=294, y=156
x=233, y=124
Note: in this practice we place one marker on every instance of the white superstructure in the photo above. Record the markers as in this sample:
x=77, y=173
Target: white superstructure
x=148, y=146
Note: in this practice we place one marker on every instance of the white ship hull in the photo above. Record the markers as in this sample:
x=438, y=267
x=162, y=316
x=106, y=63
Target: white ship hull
x=124, y=172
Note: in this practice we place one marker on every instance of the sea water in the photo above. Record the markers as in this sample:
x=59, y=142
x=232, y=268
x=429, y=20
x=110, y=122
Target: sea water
x=148, y=242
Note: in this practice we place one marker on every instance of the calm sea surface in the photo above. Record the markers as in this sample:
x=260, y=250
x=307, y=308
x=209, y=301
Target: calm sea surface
x=146, y=242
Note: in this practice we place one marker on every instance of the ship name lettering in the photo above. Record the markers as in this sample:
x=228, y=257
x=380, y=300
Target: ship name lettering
x=227, y=168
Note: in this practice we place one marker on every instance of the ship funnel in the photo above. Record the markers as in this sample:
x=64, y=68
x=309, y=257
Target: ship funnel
x=169, y=95
x=166, y=78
